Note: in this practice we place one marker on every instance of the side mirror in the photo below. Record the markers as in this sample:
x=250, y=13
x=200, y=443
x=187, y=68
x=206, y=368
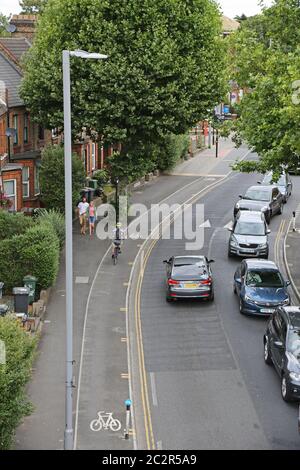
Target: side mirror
x=211, y=261
x=278, y=344
x=268, y=231
x=240, y=196
x=287, y=283
x=258, y=182
x=275, y=198
x=166, y=261
x=238, y=280
x=230, y=229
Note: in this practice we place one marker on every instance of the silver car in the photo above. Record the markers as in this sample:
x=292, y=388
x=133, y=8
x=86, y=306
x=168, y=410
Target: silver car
x=249, y=235
x=284, y=184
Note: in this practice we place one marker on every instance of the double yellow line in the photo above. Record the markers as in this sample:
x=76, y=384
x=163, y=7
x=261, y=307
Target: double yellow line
x=279, y=235
x=143, y=374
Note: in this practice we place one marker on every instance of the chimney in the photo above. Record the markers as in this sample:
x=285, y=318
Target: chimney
x=25, y=26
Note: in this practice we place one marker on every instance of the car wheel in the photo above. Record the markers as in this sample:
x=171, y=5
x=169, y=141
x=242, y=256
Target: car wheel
x=266, y=256
x=280, y=209
x=169, y=300
x=267, y=356
x=285, y=389
x=241, y=306
x=212, y=296
x=230, y=255
x=234, y=289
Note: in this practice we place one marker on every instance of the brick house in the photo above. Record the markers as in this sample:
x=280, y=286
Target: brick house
x=20, y=154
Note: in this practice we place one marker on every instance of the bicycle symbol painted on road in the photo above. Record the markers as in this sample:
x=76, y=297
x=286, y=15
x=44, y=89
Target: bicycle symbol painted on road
x=105, y=421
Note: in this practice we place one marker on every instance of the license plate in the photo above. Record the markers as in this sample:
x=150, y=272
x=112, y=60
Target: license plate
x=190, y=286
x=267, y=310
x=246, y=250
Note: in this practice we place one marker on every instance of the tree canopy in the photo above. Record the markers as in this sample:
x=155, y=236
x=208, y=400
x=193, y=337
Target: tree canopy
x=265, y=61
x=3, y=23
x=30, y=7
x=165, y=67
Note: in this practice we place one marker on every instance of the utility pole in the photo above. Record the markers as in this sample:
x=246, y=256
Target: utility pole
x=217, y=143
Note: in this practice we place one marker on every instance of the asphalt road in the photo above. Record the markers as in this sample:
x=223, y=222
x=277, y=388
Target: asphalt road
x=207, y=382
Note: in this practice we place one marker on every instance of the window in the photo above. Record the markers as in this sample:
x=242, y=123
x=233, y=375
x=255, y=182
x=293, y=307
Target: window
x=16, y=127
x=36, y=179
x=25, y=181
x=10, y=191
x=26, y=129
x=93, y=156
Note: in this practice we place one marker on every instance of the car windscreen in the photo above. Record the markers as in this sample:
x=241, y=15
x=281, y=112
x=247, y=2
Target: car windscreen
x=249, y=228
x=266, y=278
x=293, y=343
x=258, y=195
x=191, y=272
x=268, y=179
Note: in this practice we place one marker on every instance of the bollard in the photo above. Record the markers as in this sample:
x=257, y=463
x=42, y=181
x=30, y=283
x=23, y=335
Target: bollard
x=128, y=407
x=294, y=221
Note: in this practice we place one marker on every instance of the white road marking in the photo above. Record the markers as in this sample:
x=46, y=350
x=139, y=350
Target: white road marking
x=82, y=280
x=153, y=389
x=229, y=225
x=206, y=224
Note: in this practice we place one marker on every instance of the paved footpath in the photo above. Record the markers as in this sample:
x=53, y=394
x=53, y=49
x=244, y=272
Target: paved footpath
x=104, y=326
x=292, y=248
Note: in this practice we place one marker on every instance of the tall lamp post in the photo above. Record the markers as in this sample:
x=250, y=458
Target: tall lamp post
x=68, y=436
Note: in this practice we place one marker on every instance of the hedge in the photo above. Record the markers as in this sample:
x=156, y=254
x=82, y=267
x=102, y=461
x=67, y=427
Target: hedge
x=36, y=252
x=14, y=375
x=13, y=224
x=56, y=220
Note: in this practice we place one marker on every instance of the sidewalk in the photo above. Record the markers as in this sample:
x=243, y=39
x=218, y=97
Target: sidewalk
x=292, y=249
x=106, y=328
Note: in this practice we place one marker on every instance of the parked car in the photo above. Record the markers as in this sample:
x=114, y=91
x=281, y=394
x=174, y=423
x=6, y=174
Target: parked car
x=284, y=184
x=249, y=235
x=282, y=348
x=260, y=287
x=189, y=277
x=267, y=199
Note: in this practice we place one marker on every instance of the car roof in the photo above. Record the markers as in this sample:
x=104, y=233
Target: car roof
x=195, y=259
x=251, y=215
x=293, y=314
x=261, y=264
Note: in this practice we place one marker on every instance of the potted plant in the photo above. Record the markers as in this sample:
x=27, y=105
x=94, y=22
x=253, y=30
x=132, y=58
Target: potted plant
x=5, y=202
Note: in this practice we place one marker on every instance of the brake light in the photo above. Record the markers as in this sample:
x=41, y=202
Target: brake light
x=171, y=282
x=206, y=282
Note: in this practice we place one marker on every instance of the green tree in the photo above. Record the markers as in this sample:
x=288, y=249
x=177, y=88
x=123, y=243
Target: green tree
x=265, y=60
x=164, y=71
x=14, y=375
x=3, y=24
x=241, y=17
x=31, y=7
x=52, y=176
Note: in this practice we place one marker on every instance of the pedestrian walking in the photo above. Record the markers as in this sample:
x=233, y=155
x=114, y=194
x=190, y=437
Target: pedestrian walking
x=83, y=207
x=92, y=218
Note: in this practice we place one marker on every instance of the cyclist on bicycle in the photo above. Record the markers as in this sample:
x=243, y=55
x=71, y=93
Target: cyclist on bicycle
x=119, y=236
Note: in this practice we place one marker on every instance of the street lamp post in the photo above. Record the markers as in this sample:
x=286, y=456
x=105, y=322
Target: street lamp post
x=117, y=202
x=68, y=436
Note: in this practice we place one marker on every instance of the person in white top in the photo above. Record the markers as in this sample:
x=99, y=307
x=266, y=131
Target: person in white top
x=83, y=207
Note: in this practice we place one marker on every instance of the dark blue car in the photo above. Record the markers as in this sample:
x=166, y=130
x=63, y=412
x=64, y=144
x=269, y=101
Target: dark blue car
x=260, y=287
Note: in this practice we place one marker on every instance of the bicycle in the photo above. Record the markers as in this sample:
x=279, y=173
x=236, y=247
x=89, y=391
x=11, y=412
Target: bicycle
x=116, y=251
x=99, y=423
